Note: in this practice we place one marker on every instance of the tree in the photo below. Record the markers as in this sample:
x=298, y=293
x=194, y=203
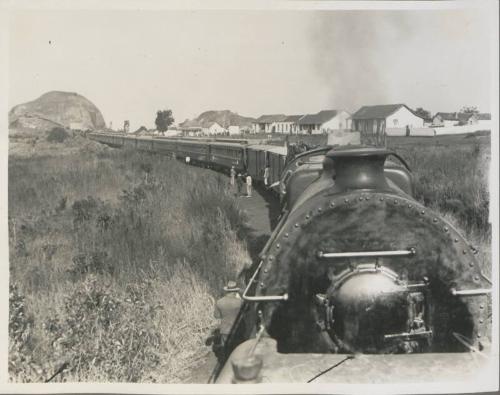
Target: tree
x=163, y=120
x=469, y=110
x=423, y=113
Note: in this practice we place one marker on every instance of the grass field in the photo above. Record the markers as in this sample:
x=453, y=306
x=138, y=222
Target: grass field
x=116, y=256
x=115, y=260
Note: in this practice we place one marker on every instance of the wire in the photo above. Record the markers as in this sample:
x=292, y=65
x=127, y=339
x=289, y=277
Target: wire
x=331, y=368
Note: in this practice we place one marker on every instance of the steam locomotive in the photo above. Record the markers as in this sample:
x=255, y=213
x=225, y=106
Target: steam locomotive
x=358, y=283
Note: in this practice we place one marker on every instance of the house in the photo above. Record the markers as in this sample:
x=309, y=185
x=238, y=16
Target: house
x=324, y=121
x=289, y=125
x=377, y=119
x=196, y=128
x=212, y=128
x=233, y=129
x=268, y=123
x=445, y=119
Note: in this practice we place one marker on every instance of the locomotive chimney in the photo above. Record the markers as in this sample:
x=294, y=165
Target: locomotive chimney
x=359, y=168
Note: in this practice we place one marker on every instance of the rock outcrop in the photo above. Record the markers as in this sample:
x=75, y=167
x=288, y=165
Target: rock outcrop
x=67, y=109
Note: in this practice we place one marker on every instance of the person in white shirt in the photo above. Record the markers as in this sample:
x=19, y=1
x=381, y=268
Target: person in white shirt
x=249, y=185
x=266, y=176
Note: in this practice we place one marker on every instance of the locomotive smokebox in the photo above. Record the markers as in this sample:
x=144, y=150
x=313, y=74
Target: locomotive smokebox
x=359, y=168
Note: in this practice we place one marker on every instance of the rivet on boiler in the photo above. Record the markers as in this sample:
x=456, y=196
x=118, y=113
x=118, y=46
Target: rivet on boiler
x=308, y=216
x=346, y=200
x=262, y=285
x=286, y=235
x=464, y=252
x=476, y=278
x=296, y=225
x=422, y=212
x=446, y=229
x=434, y=220
x=481, y=306
x=278, y=246
x=381, y=199
x=360, y=198
x=455, y=240
x=395, y=201
x=471, y=264
x=332, y=204
x=320, y=209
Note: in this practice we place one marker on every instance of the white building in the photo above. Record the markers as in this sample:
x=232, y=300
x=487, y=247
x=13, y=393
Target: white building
x=389, y=118
x=212, y=128
x=233, y=129
x=324, y=122
x=289, y=125
x=268, y=123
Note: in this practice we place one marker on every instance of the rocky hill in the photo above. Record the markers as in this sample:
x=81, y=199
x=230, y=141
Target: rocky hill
x=224, y=118
x=55, y=108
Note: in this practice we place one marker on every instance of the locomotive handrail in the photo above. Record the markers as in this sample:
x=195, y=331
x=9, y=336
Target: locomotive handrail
x=470, y=292
x=367, y=254
x=272, y=298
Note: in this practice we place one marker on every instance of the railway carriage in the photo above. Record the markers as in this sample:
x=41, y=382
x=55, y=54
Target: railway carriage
x=260, y=156
x=130, y=142
x=165, y=147
x=198, y=152
x=225, y=155
x=144, y=144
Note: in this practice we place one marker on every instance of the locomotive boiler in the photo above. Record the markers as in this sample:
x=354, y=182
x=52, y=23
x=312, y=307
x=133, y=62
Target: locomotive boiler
x=358, y=282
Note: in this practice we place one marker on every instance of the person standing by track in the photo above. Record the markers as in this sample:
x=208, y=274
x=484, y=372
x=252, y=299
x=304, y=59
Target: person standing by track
x=239, y=183
x=249, y=185
x=266, y=175
x=232, y=175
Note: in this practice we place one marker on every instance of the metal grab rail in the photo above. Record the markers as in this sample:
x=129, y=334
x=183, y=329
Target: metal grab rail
x=366, y=254
x=470, y=292
x=273, y=298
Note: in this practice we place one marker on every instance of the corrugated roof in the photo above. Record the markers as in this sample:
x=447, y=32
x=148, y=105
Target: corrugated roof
x=293, y=118
x=379, y=111
x=271, y=118
x=319, y=118
x=447, y=116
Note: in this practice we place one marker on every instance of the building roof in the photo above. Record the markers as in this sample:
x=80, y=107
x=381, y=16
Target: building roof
x=319, y=118
x=293, y=118
x=484, y=116
x=447, y=116
x=380, y=111
x=271, y=118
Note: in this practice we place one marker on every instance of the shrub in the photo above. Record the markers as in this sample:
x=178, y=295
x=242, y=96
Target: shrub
x=105, y=332
x=57, y=135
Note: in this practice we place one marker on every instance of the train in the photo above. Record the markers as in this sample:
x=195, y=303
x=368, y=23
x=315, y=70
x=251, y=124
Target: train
x=219, y=154
x=358, y=282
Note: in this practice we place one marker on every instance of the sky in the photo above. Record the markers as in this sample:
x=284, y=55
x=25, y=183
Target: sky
x=132, y=63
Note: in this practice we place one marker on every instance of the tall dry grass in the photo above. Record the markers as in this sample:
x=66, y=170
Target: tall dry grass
x=115, y=261
x=453, y=179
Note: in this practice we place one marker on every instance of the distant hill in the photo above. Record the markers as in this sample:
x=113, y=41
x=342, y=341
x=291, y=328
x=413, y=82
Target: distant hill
x=224, y=118
x=55, y=108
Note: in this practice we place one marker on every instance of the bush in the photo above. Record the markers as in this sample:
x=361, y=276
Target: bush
x=57, y=135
